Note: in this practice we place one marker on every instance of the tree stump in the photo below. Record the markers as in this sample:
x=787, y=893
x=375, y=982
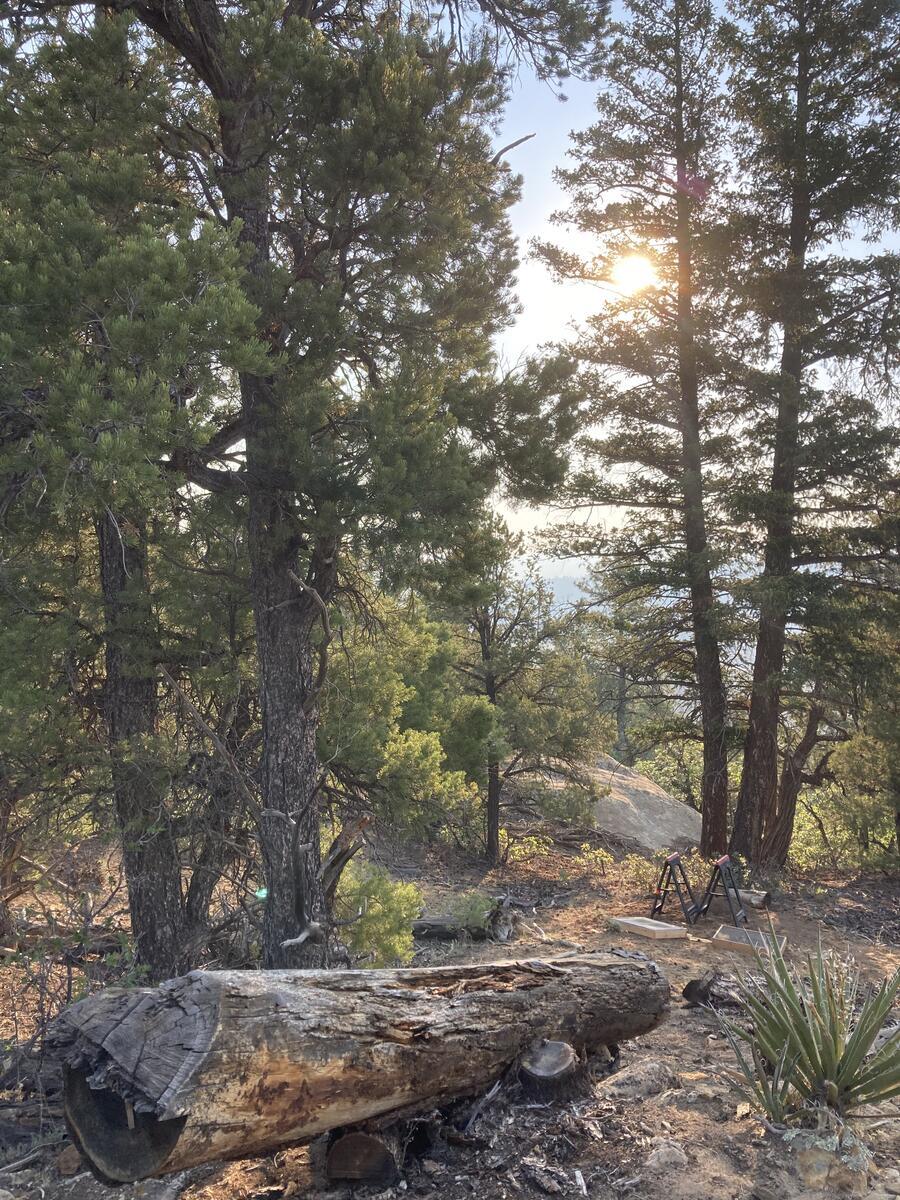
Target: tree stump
x=551, y=1071
x=226, y=1064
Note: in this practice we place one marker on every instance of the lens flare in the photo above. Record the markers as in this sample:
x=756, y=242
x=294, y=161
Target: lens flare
x=633, y=273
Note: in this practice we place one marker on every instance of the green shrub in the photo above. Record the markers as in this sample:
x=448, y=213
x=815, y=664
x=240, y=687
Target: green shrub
x=639, y=872
x=593, y=860
x=803, y=1059
x=515, y=849
x=381, y=911
x=471, y=910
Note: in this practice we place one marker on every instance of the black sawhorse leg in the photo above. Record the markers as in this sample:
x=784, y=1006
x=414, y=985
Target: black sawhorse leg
x=723, y=883
x=673, y=876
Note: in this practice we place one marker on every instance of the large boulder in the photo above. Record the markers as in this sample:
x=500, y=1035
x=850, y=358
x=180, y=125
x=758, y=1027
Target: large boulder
x=635, y=807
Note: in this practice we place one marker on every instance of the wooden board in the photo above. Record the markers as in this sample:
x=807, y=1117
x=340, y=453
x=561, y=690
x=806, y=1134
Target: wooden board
x=649, y=928
x=747, y=940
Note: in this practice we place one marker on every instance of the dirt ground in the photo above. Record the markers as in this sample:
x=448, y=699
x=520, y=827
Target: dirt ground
x=596, y=1144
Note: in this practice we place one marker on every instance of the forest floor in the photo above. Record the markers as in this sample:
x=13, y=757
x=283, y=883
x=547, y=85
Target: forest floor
x=686, y=1136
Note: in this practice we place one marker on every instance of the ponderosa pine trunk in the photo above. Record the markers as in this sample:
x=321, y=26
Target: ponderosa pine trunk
x=758, y=795
x=149, y=851
x=623, y=746
x=713, y=701
x=492, y=833
x=212, y=846
x=10, y=844
x=486, y=632
x=781, y=825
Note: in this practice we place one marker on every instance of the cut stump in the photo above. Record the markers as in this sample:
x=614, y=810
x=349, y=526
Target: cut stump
x=551, y=1071
x=230, y=1064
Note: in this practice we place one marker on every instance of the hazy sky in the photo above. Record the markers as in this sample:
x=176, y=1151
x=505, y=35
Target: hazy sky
x=548, y=307
x=534, y=108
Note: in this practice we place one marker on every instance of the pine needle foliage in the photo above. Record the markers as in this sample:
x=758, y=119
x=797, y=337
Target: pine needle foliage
x=807, y=1056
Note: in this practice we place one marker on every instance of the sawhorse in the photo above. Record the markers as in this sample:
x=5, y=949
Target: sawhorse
x=674, y=877
x=723, y=883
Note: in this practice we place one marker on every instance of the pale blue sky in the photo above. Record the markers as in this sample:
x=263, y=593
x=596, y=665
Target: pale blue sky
x=548, y=307
x=534, y=108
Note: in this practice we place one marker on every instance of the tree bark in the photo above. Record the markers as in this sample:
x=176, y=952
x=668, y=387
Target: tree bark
x=225, y=1064
x=758, y=795
x=285, y=617
x=713, y=701
x=499, y=925
x=149, y=852
x=624, y=752
x=486, y=633
x=780, y=826
x=492, y=816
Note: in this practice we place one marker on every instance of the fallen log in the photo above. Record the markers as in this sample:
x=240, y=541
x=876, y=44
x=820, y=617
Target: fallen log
x=498, y=924
x=227, y=1064
x=751, y=899
x=447, y=929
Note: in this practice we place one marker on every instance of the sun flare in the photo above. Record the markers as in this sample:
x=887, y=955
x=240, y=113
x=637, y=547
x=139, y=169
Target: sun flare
x=633, y=273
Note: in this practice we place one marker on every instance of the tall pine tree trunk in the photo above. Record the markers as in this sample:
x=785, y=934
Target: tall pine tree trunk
x=285, y=616
x=486, y=632
x=781, y=824
x=758, y=796
x=623, y=746
x=149, y=852
x=713, y=701
x=10, y=843
x=492, y=821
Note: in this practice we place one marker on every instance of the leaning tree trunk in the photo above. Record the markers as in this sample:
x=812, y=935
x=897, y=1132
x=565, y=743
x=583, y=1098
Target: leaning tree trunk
x=234, y=1063
x=781, y=825
x=149, y=853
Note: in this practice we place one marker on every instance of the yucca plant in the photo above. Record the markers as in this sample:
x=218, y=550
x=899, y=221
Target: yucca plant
x=809, y=1040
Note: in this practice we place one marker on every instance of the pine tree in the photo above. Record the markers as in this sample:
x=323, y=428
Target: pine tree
x=114, y=299
x=818, y=150
x=348, y=156
x=641, y=187
x=520, y=655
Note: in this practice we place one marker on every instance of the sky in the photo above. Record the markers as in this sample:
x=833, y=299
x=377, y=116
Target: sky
x=549, y=308
x=534, y=108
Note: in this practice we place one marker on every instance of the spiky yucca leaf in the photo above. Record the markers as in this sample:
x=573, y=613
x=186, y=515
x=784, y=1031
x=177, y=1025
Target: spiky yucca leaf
x=809, y=1049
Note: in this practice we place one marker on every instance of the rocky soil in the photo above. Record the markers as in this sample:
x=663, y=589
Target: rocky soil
x=667, y=1125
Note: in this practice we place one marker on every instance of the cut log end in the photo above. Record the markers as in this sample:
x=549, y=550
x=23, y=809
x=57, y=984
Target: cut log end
x=118, y=1144
x=551, y=1071
x=365, y=1157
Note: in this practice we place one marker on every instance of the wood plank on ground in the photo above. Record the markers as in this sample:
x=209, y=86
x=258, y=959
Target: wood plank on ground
x=649, y=928
x=747, y=940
